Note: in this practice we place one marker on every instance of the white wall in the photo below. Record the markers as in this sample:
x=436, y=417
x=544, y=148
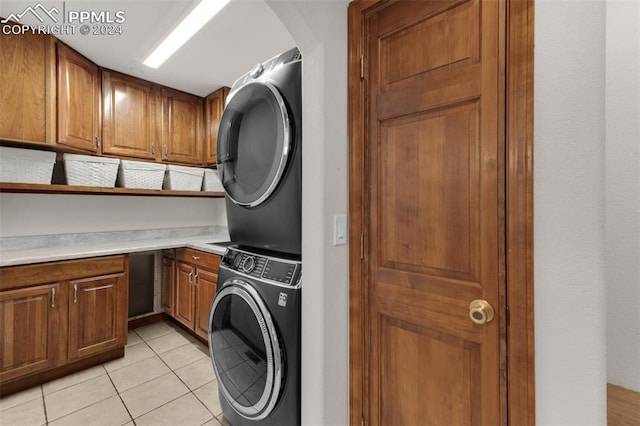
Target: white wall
x=569, y=127
x=47, y=214
x=623, y=193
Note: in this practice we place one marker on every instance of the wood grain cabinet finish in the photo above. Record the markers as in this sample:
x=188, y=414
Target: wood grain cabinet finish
x=168, y=293
x=97, y=314
x=182, y=127
x=196, y=277
x=78, y=100
x=213, y=109
x=131, y=118
x=30, y=323
x=53, y=314
x=27, y=87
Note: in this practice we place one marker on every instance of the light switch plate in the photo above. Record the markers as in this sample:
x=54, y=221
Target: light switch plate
x=339, y=230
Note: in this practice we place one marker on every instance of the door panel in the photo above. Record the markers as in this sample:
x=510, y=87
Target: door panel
x=184, y=306
x=206, y=291
x=433, y=212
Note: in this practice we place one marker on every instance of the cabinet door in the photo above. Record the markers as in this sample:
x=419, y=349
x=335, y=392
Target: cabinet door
x=31, y=329
x=78, y=100
x=27, y=87
x=168, y=284
x=184, y=306
x=97, y=314
x=131, y=109
x=213, y=108
x=182, y=127
x=206, y=291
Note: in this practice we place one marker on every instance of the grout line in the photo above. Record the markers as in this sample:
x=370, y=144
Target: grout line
x=44, y=406
x=121, y=400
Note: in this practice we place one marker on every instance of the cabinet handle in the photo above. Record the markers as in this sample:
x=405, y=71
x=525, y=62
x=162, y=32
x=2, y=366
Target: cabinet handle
x=153, y=149
x=195, y=257
x=196, y=280
x=75, y=293
x=166, y=152
x=53, y=297
x=190, y=277
x=98, y=141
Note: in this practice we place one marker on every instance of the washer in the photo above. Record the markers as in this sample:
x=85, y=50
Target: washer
x=259, y=155
x=254, y=338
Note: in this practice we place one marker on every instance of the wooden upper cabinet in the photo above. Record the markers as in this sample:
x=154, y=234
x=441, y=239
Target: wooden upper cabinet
x=27, y=87
x=78, y=100
x=213, y=108
x=182, y=127
x=130, y=116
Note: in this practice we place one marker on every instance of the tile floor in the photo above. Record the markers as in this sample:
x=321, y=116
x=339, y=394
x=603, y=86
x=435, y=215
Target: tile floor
x=164, y=378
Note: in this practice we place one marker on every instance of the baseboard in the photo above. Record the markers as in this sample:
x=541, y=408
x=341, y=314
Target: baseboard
x=623, y=406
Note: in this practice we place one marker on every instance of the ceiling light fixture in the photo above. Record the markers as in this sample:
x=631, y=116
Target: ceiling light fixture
x=190, y=25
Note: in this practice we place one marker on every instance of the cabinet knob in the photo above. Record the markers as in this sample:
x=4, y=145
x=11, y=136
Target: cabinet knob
x=195, y=257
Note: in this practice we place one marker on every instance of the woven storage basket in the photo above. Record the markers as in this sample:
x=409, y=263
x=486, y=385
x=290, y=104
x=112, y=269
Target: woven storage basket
x=86, y=170
x=183, y=178
x=19, y=165
x=211, y=181
x=141, y=175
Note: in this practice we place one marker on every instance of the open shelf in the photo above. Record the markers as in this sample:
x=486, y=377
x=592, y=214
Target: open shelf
x=93, y=190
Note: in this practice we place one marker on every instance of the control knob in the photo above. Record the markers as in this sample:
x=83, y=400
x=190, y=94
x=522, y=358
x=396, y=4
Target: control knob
x=248, y=264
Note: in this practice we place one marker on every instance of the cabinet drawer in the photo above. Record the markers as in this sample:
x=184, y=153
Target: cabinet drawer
x=40, y=273
x=198, y=258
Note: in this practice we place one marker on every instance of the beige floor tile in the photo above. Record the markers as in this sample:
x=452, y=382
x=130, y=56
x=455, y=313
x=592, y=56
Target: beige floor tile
x=136, y=374
x=184, y=411
x=167, y=342
x=20, y=398
x=110, y=412
x=197, y=373
x=73, y=379
x=132, y=354
x=77, y=397
x=133, y=338
x=30, y=413
x=154, y=331
x=212, y=422
x=185, y=354
x=223, y=421
x=208, y=395
x=153, y=394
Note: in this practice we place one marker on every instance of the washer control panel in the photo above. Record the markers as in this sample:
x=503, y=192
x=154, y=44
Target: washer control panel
x=276, y=270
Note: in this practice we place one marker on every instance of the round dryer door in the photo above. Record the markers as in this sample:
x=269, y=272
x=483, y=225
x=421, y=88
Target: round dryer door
x=254, y=143
x=246, y=353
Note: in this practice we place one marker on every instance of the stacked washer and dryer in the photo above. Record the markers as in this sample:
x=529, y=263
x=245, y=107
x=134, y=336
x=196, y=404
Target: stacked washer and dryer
x=254, y=322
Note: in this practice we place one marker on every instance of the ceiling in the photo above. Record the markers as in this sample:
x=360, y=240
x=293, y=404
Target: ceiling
x=244, y=33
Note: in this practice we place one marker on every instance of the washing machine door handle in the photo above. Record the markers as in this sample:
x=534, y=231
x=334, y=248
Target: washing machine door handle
x=274, y=365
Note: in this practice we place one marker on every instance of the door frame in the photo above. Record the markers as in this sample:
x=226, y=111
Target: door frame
x=519, y=40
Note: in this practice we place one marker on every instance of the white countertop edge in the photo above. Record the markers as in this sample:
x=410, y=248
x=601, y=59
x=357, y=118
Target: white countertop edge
x=40, y=255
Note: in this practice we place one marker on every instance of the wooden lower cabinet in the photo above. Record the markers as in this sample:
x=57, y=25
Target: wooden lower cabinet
x=168, y=293
x=194, y=285
x=54, y=314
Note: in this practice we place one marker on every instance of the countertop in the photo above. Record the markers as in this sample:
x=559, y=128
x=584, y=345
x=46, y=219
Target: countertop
x=50, y=248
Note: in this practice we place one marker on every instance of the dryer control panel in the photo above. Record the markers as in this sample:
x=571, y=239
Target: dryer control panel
x=266, y=268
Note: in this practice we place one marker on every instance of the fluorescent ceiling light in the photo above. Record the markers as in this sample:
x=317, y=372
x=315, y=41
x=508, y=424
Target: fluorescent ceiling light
x=195, y=20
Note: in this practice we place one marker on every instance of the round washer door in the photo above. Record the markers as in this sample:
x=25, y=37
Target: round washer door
x=245, y=350
x=254, y=142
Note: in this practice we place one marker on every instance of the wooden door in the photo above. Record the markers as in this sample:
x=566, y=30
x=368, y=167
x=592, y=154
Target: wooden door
x=168, y=293
x=431, y=212
x=206, y=291
x=213, y=109
x=31, y=329
x=182, y=127
x=131, y=117
x=184, y=307
x=78, y=100
x=28, y=64
x=97, y=314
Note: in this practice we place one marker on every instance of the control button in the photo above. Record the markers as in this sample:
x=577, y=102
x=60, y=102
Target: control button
x=248, y=264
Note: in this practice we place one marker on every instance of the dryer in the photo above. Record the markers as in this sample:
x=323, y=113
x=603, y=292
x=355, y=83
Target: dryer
x=259, y=155
x=254, y=338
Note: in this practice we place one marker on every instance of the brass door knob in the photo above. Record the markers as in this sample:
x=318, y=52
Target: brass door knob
x=481, y=311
